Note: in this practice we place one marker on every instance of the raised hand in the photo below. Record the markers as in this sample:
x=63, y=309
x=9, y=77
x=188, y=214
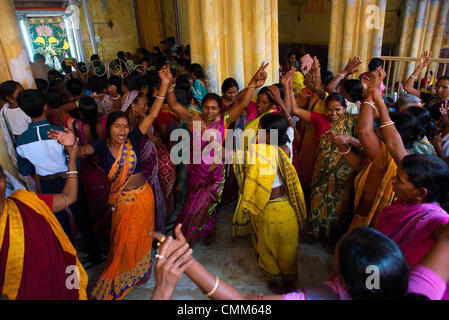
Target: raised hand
x=275, y=94
x=66, y=138
x=315, y=65
x=444, y=109
x=165, y=75
x=352, y=66
x=259, y=78
x=424, y=59
x=286, y=79
x=371, y=85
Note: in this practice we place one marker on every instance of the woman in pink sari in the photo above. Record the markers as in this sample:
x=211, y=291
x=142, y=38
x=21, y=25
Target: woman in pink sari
x=206, y=180
x=420, y=184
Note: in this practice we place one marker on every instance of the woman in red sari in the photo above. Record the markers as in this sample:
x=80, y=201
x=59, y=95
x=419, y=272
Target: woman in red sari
x=37, y=259
x=131, y=198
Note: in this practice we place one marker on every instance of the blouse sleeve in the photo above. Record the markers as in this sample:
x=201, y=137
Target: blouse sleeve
x=424, y=281
x=99, y=147
x=135, y=136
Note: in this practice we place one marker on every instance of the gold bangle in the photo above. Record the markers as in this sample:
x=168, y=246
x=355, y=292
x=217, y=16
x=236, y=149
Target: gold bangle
x=217, y=282
x=119, y=96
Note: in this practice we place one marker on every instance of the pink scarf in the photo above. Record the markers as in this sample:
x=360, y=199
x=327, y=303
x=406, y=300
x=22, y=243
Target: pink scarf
x=411, y=227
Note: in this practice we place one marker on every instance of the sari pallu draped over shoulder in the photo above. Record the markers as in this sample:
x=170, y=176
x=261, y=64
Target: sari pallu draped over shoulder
x=255, y=173
x=412, y=226
x=37, y=260
x=276, y=224
x=332, y=185
x=240, y=222
x=129, y=258
x=205, y=188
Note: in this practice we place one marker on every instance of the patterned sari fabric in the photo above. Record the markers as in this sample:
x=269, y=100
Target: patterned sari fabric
x=241, y=222
x=129, y=258
x=276, y=224
x=167, y=177
x=411, y=226
x=36, y=253
x=204, y=193
x=332, y=185
x=150, y=169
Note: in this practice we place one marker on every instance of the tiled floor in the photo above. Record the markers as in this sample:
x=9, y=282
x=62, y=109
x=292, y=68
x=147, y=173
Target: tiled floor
x=233, y=260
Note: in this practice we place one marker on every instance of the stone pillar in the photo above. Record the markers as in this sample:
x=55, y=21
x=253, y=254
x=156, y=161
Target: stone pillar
x=439, y=33
x=417, y=31
x=230, y=38
x=336, y=35
x=356, y=30
x=14, y=65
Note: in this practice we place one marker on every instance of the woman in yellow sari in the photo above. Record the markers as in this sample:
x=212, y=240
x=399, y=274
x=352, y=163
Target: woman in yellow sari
x=265, y=105
x=131, y=198
x=273, y=199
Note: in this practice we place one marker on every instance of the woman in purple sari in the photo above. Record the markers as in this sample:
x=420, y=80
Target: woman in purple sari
x=206, y=180
x=136, y=105
x=420, y=185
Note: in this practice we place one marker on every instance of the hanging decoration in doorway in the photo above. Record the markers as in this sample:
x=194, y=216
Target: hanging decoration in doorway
x=49, y=37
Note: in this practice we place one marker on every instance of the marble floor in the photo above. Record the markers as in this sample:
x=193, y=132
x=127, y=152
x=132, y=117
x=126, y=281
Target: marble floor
x=234, y=260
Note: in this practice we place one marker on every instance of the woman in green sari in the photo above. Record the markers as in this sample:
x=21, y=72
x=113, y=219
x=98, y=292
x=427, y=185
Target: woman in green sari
x=330, y=200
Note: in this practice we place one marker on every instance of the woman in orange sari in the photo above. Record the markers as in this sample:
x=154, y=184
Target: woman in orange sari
x=37, y=259
x=132, y=199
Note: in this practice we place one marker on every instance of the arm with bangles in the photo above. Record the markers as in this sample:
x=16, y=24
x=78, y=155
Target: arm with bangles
x=409, y=84
x=346, y=145
x=368, y=113
x=147, y=122
x=64, y=111
x=115, y=97
x=176, y=250
x=173, y=104
x=313, y=80
x=257, y=81
x=69, y=194
x=393, y=139
x=351, y=67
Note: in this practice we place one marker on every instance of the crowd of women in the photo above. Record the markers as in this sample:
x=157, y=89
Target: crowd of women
x=365, y=176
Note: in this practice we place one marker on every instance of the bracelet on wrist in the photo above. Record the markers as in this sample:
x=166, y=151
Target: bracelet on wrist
x=346, y=152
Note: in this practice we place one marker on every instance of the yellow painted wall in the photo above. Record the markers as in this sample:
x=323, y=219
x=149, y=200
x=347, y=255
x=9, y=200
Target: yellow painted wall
x=184, y=17
x=122, y=36
x=312, y=27
x=168, y=16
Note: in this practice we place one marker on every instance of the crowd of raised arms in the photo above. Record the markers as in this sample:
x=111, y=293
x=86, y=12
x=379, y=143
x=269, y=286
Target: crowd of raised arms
x=364, y=175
